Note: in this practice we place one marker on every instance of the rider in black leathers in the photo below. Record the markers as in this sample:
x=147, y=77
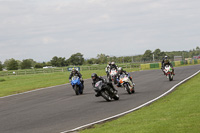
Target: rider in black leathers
x=73, y=73
x=113, y=65
x=96, y=78
x=165, y=62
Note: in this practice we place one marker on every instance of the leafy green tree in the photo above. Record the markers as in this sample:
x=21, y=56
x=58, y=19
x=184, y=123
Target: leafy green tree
x=58, y=61
x=39, y=65
x=1, y=66
x=158, y=54
x=197, y=51
x=113, y=59
x=127, y=59
x=27, y=64
x=148, y=55
x=76, y=59
x=102, y=59
x=12, y=64
x=91, y=61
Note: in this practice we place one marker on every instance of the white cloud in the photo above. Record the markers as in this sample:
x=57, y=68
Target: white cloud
x=96, y=26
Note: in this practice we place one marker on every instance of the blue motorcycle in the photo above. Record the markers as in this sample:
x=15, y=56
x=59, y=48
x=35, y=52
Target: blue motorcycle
x=77, y=85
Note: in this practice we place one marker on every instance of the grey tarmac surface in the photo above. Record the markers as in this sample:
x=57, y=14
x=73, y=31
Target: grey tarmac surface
x=58, y=109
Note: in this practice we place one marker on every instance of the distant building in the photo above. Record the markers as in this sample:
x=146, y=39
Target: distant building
x=47, y=67
x=178, y=58
x=196, y=57
x=188, y=58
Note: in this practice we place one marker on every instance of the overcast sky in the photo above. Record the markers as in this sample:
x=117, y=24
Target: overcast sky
x=41, y=29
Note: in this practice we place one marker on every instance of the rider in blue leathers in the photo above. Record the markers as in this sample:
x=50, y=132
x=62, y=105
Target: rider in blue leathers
x=73, y=73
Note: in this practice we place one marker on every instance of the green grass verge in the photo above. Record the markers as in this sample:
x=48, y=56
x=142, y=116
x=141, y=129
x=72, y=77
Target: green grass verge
x=178, y=112
x=21, y=83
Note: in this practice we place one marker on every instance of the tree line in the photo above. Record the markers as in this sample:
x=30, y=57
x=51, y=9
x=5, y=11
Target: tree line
x=78, y=59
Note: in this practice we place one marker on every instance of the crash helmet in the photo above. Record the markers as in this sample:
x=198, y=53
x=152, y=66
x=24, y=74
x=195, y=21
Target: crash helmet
x=74, y=70
x=113, y=63
x=94, y=76
x=120, y=69
x=109, y=63
x=166, y=60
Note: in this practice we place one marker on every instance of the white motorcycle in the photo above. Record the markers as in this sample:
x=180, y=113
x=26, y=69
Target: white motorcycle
x=125, y=81
x=169, y=72
x=113, y=76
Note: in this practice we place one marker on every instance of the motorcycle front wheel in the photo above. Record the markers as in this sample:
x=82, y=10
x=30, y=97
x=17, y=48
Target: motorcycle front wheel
x=170, y=77
x=106, y=95
x=76, y=89
x=116, y=97
x=127, y=88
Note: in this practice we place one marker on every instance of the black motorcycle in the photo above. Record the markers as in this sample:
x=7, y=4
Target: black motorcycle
x=105, y=91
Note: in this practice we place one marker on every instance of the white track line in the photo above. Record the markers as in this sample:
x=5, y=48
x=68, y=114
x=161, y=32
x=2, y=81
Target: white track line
x=115, y=116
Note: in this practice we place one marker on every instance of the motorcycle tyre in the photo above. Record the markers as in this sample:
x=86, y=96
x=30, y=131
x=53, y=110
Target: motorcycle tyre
x=106, y=96
x=116, y=97
x=76, y=89
x=127, y=89
x=81, y=92
x=115, y=80
x=110, y=79
x=133, y=91
x=170, y=77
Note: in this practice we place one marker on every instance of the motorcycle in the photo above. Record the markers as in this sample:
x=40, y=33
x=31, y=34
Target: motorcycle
x=107, y=72
x=77, y=85
x=127, y=83
x=105, y=91
x=113, y=76
x=169, y=72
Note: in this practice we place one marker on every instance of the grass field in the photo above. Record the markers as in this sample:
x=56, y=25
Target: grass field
x=21, y=83
x=178, y=112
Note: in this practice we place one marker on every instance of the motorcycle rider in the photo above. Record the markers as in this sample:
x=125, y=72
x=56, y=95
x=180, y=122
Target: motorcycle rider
x=73, y=73
x=96, y=78
x=108, y=68
x=165, y=62
x=120, y=72
x=113, y=65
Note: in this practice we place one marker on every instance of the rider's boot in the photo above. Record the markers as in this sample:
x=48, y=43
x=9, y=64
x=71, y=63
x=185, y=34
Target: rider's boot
x=97, y=94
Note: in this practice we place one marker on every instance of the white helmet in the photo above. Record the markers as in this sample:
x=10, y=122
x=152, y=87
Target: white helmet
x=112, y=63
x=120, y=69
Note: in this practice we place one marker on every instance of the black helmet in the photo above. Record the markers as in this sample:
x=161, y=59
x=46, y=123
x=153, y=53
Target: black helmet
x=94, y=76
x=109, y=63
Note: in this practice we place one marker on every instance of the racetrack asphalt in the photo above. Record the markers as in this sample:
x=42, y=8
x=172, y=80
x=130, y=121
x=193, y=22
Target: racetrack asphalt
x=58, y=109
